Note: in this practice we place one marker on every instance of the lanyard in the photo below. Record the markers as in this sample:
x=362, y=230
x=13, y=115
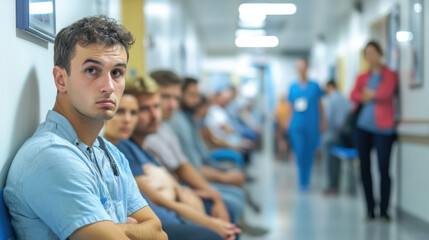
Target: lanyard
x=112, y=162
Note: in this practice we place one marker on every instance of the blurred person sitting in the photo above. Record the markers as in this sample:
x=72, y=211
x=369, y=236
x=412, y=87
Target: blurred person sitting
x=185, y=128
x=219, y=122
x=336, y=109
x=177, y=207
x=281, y=138
x=166, y=146
x=241, y=117
x=221, y=126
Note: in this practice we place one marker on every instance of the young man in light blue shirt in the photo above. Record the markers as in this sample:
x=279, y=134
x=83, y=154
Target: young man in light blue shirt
x=66, y=182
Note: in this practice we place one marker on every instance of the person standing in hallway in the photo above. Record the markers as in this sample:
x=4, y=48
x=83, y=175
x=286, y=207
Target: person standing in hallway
x=305, y=122
x=336, y=109
x=281, y=139
x=373, y=95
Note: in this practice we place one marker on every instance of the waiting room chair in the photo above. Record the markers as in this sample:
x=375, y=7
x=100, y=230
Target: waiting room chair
x=6, y=231
x=350, y=157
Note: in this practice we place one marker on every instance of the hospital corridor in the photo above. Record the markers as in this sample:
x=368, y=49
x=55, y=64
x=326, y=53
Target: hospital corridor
x=214, y=120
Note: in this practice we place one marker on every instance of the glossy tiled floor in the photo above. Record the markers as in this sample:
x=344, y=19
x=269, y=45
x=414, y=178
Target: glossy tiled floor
x=292, y=215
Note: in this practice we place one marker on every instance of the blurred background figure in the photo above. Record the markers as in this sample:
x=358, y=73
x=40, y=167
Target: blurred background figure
x=282, y=147
x=373, y=95
x=240, y=113
x=176, y=217
x=306, y=121
x=336, y=109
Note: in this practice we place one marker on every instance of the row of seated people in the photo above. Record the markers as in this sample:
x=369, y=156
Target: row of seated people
x=156, y=129
x=67, y=182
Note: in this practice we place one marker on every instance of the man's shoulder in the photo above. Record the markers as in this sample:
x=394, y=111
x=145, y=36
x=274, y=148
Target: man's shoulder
x=178, y=118
x=44, y=147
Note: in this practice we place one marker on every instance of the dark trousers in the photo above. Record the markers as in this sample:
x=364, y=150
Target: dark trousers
x=365, y=141
x=333, y=163
x=189, y=232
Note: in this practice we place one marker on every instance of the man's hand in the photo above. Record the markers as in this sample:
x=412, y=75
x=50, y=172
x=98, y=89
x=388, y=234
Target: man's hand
x=368, y=95
x=131, y=220
x=225, y=229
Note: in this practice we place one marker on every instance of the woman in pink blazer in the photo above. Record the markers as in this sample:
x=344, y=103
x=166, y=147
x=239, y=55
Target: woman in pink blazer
x=373, y=96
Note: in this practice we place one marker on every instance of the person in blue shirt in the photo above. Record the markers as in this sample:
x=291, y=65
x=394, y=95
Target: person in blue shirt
x=65, y=182
x=118, y=131
x=184, y=206
x=305, y=122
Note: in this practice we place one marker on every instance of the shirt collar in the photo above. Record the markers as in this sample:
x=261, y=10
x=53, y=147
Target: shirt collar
x=64, y=128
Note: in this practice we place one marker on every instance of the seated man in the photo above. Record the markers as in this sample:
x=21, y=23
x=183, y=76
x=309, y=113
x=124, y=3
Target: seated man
x=184, y=125
x=175, y=205
x=242, y=120
x=65, y=182
x=218, y=129
x=166, y=146
x=221, y=124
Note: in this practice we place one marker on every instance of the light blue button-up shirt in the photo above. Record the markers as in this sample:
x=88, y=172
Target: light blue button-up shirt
x=57, y=184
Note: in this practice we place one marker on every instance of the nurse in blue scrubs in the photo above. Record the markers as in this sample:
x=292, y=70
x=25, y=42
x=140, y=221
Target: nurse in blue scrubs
x=306, y=122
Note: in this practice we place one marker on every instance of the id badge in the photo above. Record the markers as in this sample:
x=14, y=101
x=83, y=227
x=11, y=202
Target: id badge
x=301, y=104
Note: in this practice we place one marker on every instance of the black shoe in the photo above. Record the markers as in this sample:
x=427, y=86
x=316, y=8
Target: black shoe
x=370, y=217
x=385, y=217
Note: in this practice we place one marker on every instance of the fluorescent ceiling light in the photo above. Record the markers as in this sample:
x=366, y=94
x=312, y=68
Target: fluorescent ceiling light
x=251, y=24
x=404, y=36
x=157, y=9
x=41, y=8
x=267, y=8
x=257, y=17
x=418, y=7
x=248, y=32
x=257, y=41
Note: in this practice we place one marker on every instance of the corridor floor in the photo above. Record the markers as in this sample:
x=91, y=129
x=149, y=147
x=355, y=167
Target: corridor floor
x=292, y=215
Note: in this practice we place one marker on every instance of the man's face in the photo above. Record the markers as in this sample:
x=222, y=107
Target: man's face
x=150, y=115
x=191, y=96
x=224, y=97
x=170, y=96
x=302, y=67
x=96, y=80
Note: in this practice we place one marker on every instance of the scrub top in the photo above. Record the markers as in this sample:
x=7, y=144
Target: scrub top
x=304, y=99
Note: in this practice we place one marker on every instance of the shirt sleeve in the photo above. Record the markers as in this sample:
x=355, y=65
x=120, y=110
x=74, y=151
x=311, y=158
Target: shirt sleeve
x=134, y=163
x=164, y=153
x=185, y=140
x=63, y=192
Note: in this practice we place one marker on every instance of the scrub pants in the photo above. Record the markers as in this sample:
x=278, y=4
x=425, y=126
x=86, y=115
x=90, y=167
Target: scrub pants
x=304, y=148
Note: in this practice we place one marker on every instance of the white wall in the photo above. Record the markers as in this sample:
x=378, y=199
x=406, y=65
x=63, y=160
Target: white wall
x=414, y=161
x=172, y=40
x=27, y=86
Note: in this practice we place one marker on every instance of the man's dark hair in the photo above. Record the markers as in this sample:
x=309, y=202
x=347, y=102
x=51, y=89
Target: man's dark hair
x=376, y=46
x=203, y=101
x=99, y=30
x=332, y=83
x=166, y=78
x=187, y=82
